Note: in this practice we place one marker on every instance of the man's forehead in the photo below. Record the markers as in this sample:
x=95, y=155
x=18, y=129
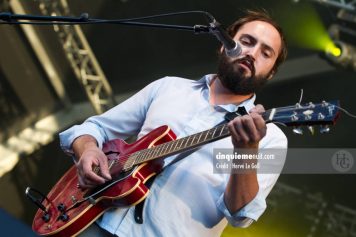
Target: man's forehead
x=262, y=31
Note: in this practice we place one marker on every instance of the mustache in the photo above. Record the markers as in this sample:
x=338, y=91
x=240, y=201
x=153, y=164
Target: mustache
x=247, y=60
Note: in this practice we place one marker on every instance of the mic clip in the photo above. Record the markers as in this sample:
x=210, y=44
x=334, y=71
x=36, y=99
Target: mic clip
x=199, y=29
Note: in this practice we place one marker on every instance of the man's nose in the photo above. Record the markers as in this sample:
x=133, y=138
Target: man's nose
x=252, y=52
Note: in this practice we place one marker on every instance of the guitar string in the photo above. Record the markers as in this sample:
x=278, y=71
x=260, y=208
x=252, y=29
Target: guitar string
x=82, y=193
x=346, y=112
x=123, y=159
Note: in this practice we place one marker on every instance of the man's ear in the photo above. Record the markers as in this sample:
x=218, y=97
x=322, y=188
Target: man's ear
x=271, y=74
x=221, y=49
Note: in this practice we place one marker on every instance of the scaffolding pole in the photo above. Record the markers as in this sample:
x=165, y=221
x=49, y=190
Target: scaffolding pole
x=81, y=57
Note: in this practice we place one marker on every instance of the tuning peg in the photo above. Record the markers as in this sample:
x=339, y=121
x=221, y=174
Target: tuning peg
x=311, y=129
x=324, y=129
x=298, y=130
x=311, y=105
x=321, y=116
x=324, y=103
x=294, y=117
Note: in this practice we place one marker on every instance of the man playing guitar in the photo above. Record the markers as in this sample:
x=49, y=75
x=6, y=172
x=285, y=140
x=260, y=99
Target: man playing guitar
x=187, y=198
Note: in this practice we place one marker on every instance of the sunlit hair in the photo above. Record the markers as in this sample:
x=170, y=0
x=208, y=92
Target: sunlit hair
x=261, y=15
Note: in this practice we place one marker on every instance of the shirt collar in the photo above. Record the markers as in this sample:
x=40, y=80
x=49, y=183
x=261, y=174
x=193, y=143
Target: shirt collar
x=205, y=83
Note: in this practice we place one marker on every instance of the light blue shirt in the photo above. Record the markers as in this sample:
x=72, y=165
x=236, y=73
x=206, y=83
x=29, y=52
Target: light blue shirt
x=187, y=198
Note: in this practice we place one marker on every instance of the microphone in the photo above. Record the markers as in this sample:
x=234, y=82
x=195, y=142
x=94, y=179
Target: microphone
x=232, y=49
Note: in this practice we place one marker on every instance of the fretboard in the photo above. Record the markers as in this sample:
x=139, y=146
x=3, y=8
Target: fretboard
x=180, y=145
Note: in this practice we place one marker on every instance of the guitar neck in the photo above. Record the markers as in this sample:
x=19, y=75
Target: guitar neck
x=322, y=114
x=183, y=144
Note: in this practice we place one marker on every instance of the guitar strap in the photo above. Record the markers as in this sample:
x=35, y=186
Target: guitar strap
x=139, y=207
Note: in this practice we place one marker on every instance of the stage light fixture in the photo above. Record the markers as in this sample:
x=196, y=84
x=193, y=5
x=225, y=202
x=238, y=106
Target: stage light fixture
x=333, y=50
x=341, y=54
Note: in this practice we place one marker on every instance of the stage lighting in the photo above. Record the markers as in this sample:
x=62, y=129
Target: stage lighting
x=333, y=49
x=341, y=54
x=342, y=51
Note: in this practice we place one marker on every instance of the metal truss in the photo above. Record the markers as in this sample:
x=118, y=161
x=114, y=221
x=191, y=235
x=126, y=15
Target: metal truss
x=81, y=57
x=320, y=216
x=341, y=4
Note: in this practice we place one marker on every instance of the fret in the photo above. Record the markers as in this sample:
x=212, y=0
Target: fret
x=214, y=132
x=144, y=155
x=135, y=160
x=138, y=156
x=165, y=146
x=149, y=153
x=170, y=146
x=168, y=150
x=201, y=133
x=191, y=143
x=207, y=133
x=178, y=141
x=181, y=143
x=187, y=140
x=175, y=145
x=194, y=136
x=222, y=129
x=159, y=150
x=210, y=136
x=129, y=163
x=132, y=159
x=155, y=151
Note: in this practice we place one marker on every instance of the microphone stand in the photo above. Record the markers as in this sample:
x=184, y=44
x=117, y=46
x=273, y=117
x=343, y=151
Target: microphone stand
x=83, y=19
x=214, y=27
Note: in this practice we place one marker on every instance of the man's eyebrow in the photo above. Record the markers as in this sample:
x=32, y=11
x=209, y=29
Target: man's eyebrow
x=264, y=45
x=248, y=36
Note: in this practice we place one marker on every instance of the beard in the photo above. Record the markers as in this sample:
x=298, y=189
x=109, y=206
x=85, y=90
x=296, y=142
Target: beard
x=234, y=78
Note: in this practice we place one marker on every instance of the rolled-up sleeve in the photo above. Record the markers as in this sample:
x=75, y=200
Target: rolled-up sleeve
x=87, y=128
x=122, y=121
x=255, y=208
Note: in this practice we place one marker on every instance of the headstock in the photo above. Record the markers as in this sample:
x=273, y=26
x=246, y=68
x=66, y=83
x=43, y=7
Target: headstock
x=323, y=114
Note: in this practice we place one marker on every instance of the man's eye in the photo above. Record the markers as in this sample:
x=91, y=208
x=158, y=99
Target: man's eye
x=266, y=54
x=245, y=42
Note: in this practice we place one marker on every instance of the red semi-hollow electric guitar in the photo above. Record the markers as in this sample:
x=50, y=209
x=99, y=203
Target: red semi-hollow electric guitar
x=67, y=210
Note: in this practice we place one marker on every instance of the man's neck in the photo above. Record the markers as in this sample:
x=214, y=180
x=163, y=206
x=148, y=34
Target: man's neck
x=220, y=95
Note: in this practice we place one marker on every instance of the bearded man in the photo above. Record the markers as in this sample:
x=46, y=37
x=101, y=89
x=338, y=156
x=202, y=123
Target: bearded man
x=187, y=198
